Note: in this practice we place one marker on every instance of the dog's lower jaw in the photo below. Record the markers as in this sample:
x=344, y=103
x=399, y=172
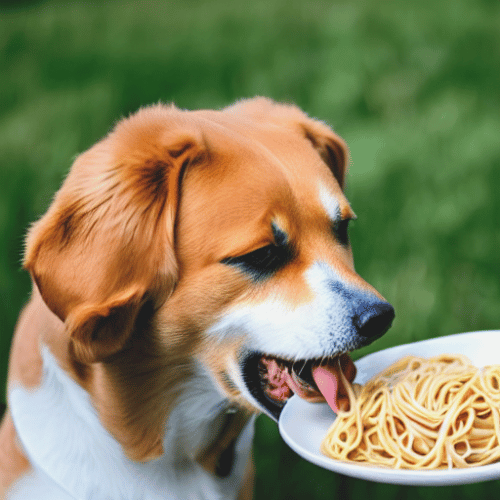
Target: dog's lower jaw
x=67, y=445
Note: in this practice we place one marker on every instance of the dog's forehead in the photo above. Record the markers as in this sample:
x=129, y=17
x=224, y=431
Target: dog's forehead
x=229, y=204
x=254, y=177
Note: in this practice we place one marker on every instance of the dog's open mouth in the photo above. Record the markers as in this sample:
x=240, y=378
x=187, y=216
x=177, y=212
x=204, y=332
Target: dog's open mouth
x=272, y=380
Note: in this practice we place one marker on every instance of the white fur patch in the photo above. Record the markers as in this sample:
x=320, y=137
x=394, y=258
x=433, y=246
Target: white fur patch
x=37, y=485
x=63, y=438
x=330, y=204
x=311, y=330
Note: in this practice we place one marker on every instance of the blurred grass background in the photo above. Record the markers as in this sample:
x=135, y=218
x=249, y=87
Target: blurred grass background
x=413, y=87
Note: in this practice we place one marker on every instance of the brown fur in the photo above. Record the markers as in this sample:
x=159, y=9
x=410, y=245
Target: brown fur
x=13, y=463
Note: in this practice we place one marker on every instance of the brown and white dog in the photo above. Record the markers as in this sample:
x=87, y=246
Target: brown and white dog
x=193, y=270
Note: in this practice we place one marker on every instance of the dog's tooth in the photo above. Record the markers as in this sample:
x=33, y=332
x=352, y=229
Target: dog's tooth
x=300, y=381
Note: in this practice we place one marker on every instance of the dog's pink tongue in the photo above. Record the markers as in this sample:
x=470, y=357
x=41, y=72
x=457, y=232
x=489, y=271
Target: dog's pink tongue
x=328, y=381
x=326, y=378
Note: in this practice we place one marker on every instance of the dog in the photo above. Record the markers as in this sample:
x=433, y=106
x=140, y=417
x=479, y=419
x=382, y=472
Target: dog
x=193, y=270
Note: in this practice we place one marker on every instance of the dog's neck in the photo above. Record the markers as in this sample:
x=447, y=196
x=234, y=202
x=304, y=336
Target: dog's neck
x=63, y=436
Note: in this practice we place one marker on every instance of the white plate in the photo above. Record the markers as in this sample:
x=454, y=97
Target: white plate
x=303, y=425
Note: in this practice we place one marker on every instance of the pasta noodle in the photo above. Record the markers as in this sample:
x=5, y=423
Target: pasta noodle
x=421, y=414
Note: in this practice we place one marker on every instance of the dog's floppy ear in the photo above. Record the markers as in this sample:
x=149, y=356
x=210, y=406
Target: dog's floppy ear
x=332, y=149
x=104, y=249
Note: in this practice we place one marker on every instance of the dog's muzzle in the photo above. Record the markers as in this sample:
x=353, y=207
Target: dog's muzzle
x=366, y=317
x=272, y=379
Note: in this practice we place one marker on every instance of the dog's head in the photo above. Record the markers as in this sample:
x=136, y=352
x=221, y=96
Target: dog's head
x=215, y=236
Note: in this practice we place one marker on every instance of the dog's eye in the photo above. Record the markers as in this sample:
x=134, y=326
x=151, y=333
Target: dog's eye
x=262, y=262
x=340, y=230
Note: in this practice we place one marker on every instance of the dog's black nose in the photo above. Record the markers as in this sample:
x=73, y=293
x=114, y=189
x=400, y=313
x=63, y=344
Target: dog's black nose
x=374, y=320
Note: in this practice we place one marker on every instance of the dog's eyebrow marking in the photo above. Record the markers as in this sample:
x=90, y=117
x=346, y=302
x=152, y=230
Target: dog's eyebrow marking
x=280, y=237
x=330, y=204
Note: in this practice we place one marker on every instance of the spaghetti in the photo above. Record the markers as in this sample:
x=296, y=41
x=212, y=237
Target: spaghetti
x=421, y=414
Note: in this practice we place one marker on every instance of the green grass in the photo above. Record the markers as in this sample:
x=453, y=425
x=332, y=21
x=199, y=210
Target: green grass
x=412, y=86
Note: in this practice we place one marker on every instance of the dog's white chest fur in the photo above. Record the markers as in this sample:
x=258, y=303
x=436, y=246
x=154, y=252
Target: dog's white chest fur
x=74, y=457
